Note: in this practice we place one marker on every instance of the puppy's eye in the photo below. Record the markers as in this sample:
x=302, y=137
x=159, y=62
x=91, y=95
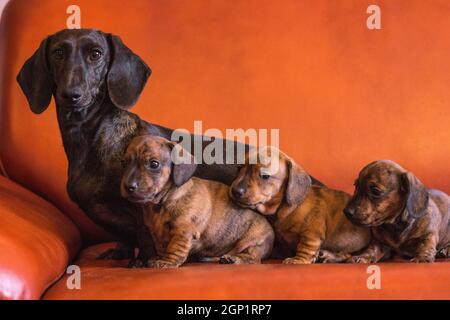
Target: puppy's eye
x=264, y=176
x=376, y=192
x=58, y=54
x=95, y=54
x=153, y=165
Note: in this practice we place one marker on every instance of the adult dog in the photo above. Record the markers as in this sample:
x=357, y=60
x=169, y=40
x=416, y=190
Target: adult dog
x=95, y=79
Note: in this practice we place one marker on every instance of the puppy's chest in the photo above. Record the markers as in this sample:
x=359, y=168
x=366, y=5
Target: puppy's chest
x=160, y=222
x=401, y=241
x=286, y=234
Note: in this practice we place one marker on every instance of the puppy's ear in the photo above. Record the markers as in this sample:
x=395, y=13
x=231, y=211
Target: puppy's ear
x=127, y=74
x=183, y=164
x=35, y=79
x=416, y=193
x=298, y=185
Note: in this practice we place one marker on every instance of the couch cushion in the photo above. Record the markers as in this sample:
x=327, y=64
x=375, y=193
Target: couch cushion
x=112, y=280
x=36, y=243
x=255, y=64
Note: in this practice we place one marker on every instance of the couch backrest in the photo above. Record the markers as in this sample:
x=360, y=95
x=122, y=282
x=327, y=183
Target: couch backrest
x=342, y=95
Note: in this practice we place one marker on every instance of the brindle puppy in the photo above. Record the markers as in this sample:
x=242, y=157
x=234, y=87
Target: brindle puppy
x=189, y=216
x=308, y=218
x=405, y=216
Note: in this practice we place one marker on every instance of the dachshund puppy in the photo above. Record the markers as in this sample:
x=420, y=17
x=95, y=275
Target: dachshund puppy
x=405, y=217
x=306, y=218
x=188, y=216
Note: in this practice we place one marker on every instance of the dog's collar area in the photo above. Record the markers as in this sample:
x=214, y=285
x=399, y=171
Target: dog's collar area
x=272, y=218
x=156, y=208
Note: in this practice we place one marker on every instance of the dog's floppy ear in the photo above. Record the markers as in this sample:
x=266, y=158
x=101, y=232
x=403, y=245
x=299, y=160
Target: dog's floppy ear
x=298, y=185
x=35, y=79
x=184, y=165
x=127, y=74
x=416, y=193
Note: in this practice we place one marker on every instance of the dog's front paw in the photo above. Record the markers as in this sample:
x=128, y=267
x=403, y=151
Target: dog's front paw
x=443, y=253
x=297, y=261
x=229, y=259
x=362, y=259
x=422, y=259
x=325, y=256
x=163, y=264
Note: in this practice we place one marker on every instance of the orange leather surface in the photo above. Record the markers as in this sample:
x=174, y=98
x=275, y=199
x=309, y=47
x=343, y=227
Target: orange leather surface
x=36, y=243
x=341, y=95
x=112, y=280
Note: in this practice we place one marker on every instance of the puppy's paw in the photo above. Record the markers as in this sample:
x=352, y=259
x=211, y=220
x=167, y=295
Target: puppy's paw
x=325, y=256
x=230, y=259
x=423, y=259
x=361, y=259
x=296, y=261
x=443, y=253
x=163, y=264
x=115, y=254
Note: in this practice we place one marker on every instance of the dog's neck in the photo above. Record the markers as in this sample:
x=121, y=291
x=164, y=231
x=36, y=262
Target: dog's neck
x=279, y=212
x=170, y=194
x=104, y=127
x=401, y=222
x=284, y=210
x=78, y=130
x=270, y=207
x=276, y=208
x=175, y=193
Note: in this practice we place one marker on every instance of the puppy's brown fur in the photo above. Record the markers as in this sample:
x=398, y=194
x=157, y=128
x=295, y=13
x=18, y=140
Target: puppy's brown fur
x=189, y=216
x=308, y=218
x=405, y=216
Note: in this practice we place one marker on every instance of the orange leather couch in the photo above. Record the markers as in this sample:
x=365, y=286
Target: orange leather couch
x=341, y=95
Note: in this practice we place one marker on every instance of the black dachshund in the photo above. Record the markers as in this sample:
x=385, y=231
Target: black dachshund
x=95, y=79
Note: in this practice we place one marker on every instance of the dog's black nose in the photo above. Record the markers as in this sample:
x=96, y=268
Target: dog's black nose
x=349, y=211
x=72, y=96
x=132, y=187
x=238, y=192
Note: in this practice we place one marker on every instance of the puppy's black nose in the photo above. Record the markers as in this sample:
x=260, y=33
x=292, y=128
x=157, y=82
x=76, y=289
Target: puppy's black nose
x=132, y=187
x=238, y=192
x=349, y=211
x=72, y=96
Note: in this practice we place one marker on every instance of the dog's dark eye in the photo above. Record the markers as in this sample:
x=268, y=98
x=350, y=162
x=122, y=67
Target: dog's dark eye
x=264, y=176
x=58, y=54
x=95, y=54
x=375, y=192
x=153, y=165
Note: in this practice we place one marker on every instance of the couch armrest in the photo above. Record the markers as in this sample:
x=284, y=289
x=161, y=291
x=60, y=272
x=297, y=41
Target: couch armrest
x=36, y=242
